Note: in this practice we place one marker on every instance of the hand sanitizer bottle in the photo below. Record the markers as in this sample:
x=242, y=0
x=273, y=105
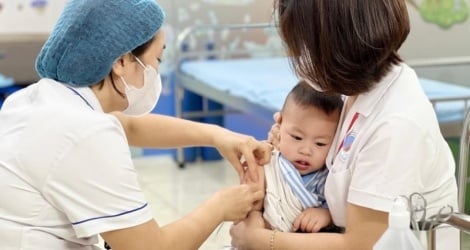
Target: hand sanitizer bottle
x=398, y=234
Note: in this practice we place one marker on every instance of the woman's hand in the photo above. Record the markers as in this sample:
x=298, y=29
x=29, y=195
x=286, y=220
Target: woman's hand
x=233, y=146
x=236, y=202
x=242, y=231
x=274, y=134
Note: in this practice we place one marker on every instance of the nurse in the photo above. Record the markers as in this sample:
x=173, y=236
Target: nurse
x=388, y=142
x=66, y=173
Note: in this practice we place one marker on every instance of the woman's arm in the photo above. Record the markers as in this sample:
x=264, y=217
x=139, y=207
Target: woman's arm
x=159, y=131
x=364, y=227
x=191, y=231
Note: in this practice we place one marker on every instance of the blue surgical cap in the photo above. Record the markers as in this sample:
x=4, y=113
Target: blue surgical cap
x=91, y=34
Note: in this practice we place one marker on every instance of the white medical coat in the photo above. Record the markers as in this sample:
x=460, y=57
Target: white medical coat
x=394, y=148
x=66, y=172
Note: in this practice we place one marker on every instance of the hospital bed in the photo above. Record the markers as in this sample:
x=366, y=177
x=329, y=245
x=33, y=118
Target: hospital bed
x=258, y=85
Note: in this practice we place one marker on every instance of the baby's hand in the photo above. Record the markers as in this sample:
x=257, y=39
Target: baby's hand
x=312, y=220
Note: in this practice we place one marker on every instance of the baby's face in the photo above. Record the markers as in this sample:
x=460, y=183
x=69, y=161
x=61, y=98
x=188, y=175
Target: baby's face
x=306, y=136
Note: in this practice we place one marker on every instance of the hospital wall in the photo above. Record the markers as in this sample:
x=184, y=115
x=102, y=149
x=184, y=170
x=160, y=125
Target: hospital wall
x=438, y=45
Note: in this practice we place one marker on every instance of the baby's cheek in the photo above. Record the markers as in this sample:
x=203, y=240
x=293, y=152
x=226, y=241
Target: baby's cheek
x=286, y=148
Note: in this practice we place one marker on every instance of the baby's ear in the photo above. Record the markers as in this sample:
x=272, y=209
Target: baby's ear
x=277, y=117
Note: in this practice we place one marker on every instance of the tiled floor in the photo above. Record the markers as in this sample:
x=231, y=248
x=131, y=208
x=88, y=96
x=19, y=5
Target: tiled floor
x=173, y=192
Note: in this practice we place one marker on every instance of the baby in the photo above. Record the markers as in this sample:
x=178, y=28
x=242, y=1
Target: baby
x=294, y=179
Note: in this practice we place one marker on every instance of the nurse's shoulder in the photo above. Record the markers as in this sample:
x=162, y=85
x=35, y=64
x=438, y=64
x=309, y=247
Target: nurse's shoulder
x=65, y=111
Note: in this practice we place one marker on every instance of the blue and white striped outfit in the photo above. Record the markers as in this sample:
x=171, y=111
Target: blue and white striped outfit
x=288, y=193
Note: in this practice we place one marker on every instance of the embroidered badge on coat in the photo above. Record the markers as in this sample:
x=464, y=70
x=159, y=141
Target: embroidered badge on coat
x=347, y=143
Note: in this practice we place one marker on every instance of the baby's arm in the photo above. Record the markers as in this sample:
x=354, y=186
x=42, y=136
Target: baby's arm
x=262, y=184
x=258, y=207
x=312, y=220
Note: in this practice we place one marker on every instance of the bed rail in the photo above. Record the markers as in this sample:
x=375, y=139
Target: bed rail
x=197, y=30
x=446, y=61
x=446, y=69
x=466, y=99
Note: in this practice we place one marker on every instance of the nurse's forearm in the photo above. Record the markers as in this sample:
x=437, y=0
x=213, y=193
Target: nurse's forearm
x=186, y=233
x=229, y=204
x=196, y=227
x=159, y=131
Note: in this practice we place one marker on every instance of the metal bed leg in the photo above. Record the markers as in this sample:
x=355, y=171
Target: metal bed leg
x=179, y=113
x=463, y=161
x=463, y=164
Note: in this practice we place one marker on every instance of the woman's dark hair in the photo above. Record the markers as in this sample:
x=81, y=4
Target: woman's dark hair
x=345, y=46
x=304, y=95
x=136, y=52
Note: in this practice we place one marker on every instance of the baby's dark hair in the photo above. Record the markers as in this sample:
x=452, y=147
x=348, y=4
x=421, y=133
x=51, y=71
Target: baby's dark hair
x=306, y=96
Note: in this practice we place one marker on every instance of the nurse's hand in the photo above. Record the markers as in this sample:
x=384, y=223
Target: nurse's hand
x=232, y=146
x=274, y=134
x=242, y=232
x=236, y=202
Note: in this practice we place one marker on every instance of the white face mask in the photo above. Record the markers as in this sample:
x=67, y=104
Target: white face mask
x=142, y=101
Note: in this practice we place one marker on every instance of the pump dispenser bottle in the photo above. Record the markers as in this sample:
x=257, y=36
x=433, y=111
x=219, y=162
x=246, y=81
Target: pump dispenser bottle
x=398, y=234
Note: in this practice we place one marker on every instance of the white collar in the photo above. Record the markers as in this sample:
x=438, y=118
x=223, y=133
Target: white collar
x=366, y=102
x=89, y=96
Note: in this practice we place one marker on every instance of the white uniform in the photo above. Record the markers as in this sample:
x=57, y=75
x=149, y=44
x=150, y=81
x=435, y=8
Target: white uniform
x=394, y=148
x=66, y=172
